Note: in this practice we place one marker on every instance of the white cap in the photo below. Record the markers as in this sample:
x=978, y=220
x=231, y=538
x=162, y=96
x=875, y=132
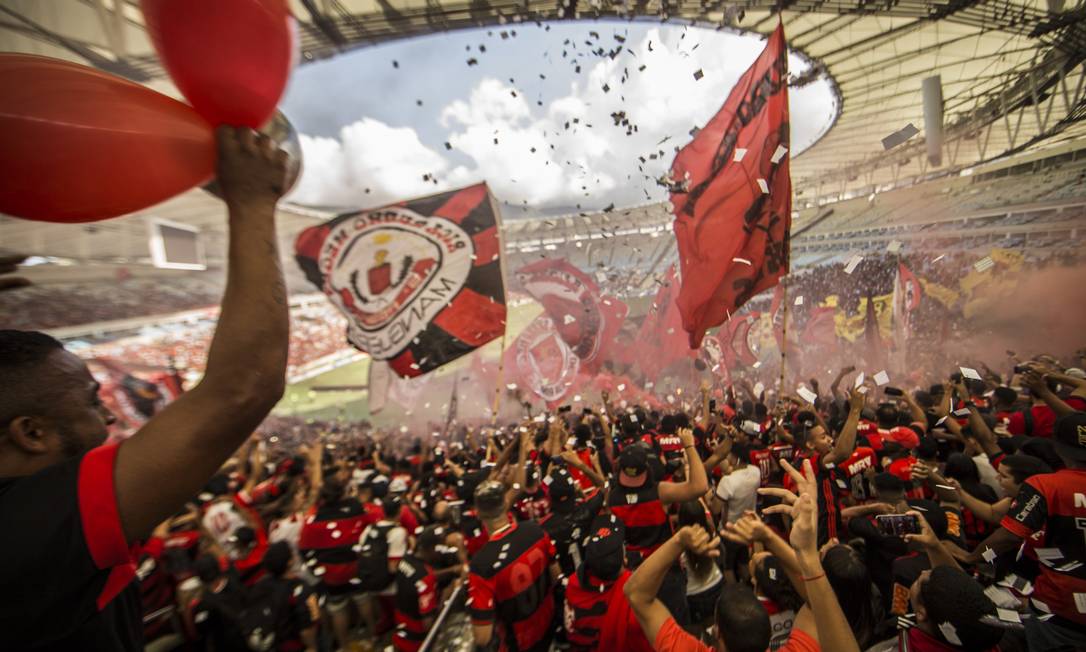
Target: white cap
x=397, y=486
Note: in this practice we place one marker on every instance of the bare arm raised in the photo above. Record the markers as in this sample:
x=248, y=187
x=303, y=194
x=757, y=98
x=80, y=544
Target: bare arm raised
x=174, y=453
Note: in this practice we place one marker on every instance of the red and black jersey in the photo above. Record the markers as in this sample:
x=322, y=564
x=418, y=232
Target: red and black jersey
x=587, y=604
x=669, y=445
x=249, y=567
x=763, y=459
x=67, y=568
x=533, y=506
x=510, y=587
x=416, y=601
x=1040, y=420
x=853, y=468
x=646, y=521
x=157, y=589
x=475, y=536
x=829, y=512
x=582, y=480
x=327, y=542
x=868, y=431
x=1055, y=503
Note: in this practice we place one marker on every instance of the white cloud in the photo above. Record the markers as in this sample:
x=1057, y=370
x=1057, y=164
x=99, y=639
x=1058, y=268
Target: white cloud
x=387, y=161
x=568, y=151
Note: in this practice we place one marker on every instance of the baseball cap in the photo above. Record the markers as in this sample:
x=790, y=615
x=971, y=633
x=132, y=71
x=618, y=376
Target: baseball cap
x=397, y=486
x=604, y=547
x=560, y=486
x=907, y=437
x=633, y=465
x=1070, y=436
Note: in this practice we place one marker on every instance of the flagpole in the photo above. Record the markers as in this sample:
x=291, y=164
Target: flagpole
x=784, y=334
x=498, y=387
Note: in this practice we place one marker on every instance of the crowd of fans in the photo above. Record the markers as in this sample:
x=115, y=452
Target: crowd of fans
x=316, y=331
x=71, y=304
x=939, y=517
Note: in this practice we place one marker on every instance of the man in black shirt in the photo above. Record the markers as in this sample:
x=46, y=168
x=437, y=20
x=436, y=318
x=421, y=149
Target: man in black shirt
x=569, y=518
x=73, y=510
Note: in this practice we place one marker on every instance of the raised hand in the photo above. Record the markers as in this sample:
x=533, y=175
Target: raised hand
x=696, y=540
x=746, y=530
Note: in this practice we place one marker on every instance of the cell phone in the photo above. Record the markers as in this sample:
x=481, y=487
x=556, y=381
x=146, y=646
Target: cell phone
x=1021, y=368
x=712, y=405
x=893, y=391
x=897, y=524
x=565, y=408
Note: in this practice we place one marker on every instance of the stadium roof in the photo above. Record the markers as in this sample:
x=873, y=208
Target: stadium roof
x=1012, y=72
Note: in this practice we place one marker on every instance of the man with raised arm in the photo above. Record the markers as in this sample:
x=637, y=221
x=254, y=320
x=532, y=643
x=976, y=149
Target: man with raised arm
x=72, y=510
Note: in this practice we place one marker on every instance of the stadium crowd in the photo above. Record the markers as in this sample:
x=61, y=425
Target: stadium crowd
x=316, y=331
x=942, y=516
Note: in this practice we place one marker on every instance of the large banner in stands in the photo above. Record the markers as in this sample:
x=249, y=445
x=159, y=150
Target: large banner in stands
x=661, y=339
x=542, y=362
x=587, y=320
x=420, y=282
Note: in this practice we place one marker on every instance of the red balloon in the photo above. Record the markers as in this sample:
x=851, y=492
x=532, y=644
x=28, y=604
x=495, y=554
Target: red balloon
x=79, y=145
x=230, y=58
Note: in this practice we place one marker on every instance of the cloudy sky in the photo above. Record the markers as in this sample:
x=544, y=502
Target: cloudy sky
x=540, y=113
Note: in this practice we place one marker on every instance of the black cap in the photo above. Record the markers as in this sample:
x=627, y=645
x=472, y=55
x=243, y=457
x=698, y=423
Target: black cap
x=1069, y=436
x=560, y=485
x=605, y=536
x=634, y=456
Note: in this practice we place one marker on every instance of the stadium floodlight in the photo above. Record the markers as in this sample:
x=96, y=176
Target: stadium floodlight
x=175, y=245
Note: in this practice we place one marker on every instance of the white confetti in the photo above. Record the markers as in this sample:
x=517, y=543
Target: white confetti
x=799, y=301
x=739, y=154
x=894, y=246
x=764, y=186
x=806, y=394
x=778, y=154
x=741, y=261
x=881, y=378
x=852, y=263
x=970, y=373
x=984, y=264
x=950, y=634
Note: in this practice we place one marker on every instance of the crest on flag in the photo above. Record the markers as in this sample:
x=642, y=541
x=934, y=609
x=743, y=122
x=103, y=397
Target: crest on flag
x=543, y=362
x=420, y=282
x=586, y=319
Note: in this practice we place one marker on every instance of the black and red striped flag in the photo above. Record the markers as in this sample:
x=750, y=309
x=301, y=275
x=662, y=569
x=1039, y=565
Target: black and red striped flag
x=420, y=281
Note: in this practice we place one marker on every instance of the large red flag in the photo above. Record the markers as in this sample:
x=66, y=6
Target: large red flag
x=587, y=319
x=661, y=339
x=732, y=196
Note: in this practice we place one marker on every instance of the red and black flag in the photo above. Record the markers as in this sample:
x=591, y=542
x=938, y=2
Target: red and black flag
x=419, y=281
x=661, y=339
x=588, y=320
x=732, y=197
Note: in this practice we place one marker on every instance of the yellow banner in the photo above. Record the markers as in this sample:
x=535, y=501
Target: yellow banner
x=851, y=327
x=940, y=293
